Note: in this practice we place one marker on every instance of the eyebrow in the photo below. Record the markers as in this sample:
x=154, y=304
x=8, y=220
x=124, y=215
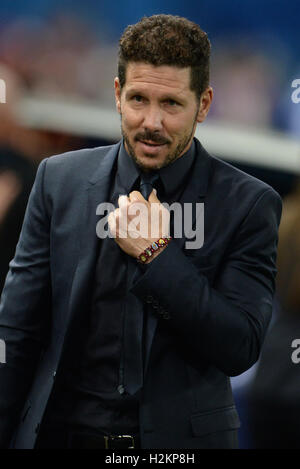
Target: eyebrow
x=164, y=97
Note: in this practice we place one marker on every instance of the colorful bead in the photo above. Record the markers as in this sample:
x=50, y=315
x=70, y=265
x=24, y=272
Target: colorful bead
x=144, y=256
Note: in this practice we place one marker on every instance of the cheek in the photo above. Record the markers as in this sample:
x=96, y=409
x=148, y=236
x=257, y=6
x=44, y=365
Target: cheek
x=131, y=120
x=176, y=129
x=179, y=124
x=183, y=126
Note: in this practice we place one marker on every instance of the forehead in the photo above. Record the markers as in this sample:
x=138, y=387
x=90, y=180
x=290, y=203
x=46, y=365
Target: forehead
x=164, y=77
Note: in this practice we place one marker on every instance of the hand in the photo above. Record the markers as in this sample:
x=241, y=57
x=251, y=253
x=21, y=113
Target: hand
x=138, y=222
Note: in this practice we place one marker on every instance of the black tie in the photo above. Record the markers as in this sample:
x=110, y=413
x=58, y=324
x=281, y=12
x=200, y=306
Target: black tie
x=147, y=183
x=135, y=320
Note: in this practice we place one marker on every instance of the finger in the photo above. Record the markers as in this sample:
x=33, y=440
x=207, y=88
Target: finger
x=123, y=201
x=153, y=196
x=111, y=219
x=136, y=196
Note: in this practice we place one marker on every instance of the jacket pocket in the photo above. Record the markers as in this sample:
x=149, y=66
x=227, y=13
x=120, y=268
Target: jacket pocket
x=205, y=423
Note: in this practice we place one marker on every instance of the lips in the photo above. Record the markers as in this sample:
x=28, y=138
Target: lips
x=150, y=148
x=151, y=143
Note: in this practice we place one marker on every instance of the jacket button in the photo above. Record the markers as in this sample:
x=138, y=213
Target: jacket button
x=54, y=375
x=121, y=389
x=149, y=299
x=155, y=304
x=166, y=315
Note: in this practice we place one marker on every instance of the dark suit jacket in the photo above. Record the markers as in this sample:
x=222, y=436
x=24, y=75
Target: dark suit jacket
x=210, y=307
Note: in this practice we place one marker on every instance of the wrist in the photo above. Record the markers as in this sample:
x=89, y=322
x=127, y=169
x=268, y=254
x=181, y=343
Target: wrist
x=155, y=254
x=153, y=250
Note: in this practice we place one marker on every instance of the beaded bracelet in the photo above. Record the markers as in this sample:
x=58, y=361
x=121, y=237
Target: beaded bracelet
x=154, y=247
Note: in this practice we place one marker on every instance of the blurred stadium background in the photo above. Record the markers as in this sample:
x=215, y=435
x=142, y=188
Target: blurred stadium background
x=61, y=57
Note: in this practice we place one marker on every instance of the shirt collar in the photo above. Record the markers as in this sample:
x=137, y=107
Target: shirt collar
x=172, y=176
x=127, y=169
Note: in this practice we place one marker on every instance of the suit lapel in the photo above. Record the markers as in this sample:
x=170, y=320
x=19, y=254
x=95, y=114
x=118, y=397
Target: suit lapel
x=195, y=193
x=96, y=192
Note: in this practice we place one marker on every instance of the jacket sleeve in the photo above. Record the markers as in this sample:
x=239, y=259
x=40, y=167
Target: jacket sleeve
x=24, y=309
x=223, y=324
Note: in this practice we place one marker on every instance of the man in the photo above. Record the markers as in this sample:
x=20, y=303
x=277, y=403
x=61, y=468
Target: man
x=107, y=348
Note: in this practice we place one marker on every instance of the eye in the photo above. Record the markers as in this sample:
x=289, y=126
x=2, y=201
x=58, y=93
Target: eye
x=172, y=102
x=137, y=98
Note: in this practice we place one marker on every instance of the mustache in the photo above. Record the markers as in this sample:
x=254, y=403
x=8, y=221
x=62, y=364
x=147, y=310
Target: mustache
x=152, y=136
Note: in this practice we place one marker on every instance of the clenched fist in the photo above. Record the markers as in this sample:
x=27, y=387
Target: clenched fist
x=138, y=222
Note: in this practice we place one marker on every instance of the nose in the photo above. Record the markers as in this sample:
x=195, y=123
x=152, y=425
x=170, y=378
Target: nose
x=153, y=119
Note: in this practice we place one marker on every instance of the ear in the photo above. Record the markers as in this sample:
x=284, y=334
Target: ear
x=118, y=94
x=205, y=102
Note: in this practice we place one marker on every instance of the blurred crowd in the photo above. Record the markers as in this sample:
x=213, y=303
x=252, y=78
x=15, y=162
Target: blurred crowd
x=64, y=58
x=21, y=150
x=272, y=396
x=61, y=57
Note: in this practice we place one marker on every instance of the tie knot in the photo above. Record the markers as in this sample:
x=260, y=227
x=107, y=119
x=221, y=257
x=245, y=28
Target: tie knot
x=149, y=178
x=147, y=183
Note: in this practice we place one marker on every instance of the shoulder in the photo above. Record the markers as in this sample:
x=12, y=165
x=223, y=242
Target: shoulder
x=82, y=158
x=76, y=166
x=237, y=196
x=233, y=183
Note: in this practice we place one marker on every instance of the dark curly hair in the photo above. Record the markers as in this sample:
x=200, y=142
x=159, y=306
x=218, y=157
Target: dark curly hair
x=167, y=40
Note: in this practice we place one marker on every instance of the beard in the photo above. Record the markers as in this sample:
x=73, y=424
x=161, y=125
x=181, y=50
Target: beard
x=156, y=138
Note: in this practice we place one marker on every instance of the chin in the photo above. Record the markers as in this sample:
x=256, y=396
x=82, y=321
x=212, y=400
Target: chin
x=149, y=163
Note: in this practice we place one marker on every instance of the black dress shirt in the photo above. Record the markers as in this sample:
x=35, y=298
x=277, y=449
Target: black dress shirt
x=96, y=398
